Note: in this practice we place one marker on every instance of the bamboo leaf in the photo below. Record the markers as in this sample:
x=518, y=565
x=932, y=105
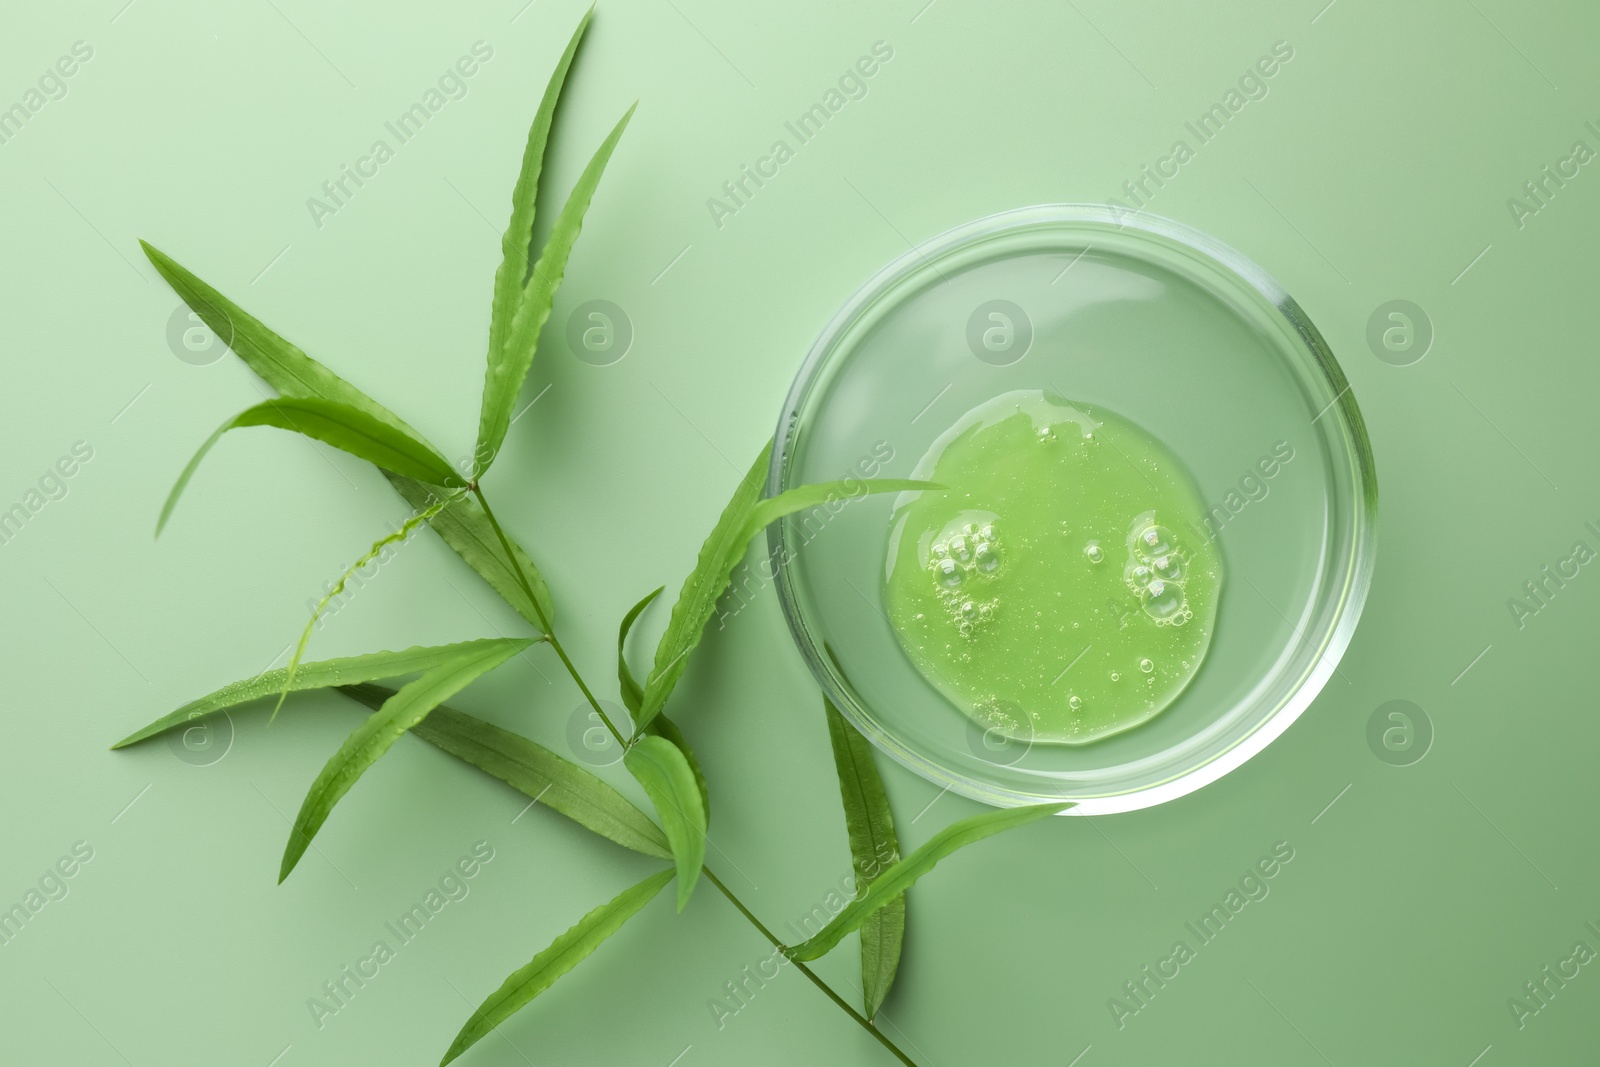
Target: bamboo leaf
x=897, y=878
x=564, y=953
x=463, y=526
x=279, y=363
x=508, y=366
x=552, y=780
x=346, y=670
x=632, y=695
x=873, y=845
x=698, y=597
x=344, y=427
x=511, y=277
x=745, y=516
x=293, y=373
x=661, y=726
x=818, y=494
x=409, y=706
x=661, y=768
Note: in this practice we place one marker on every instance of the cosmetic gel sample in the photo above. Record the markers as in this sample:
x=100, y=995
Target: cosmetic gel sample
x=1063, y=586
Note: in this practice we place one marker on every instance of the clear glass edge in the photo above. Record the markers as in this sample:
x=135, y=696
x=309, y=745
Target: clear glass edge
x=1361, y=531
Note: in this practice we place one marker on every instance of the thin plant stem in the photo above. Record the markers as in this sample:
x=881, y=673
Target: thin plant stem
x=566, y=661
x=863, y=1021
x=544, y=621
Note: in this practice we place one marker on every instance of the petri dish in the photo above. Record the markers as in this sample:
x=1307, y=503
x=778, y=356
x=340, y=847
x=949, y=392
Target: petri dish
x=1162, y=325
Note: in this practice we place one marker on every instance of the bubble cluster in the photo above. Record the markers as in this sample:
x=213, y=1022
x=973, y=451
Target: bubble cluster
x=1155, y=541
x=1155, y=572
x=956, y=564
x=1004, y=718
x=1062, y=588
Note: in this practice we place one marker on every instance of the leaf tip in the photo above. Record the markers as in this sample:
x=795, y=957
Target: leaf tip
x=171, y=503
x=166, y=509
x=463, y=1041
x=616, y=131
x=292, y=852
x=164, y=264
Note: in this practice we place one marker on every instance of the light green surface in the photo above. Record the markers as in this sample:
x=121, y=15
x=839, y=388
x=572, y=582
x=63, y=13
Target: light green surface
x=1055, y=538
x=1376, y=167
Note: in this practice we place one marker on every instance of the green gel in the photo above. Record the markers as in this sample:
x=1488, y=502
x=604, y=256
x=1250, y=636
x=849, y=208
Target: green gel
x=1063, y=587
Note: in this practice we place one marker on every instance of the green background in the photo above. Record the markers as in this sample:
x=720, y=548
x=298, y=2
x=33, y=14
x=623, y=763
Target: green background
x=1377, y=168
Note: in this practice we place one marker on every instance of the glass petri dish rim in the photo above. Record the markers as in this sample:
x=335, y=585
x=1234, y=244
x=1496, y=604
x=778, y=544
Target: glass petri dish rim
x=1352, y=568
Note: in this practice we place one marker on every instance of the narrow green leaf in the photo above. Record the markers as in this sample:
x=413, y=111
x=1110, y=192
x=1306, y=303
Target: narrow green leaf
x=552, y=780
x=745, y=516
x=293, y=373
x=661, y=768
x=511, y=278
x=697, y=600
x=340, y=425
x=632, y=695
x=508, y=366
x=409, y=706
x=873, y=846
x=882, y=936
x=661, y=726
x=346, y=670
x=463, y=527
x=897, y=878
x=817, y=494
x=279, y=363
x=564, y=953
